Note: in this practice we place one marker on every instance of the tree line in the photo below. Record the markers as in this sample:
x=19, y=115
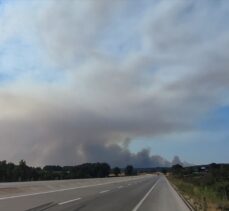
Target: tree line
x=10, y=172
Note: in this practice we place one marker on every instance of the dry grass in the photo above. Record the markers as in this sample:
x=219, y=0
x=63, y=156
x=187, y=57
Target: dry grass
x=201, y=199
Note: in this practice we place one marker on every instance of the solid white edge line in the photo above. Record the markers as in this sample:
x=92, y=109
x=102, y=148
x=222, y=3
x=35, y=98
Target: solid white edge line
x=144, y=198
x=69, y=201
x=186, y=203
x=66, y=189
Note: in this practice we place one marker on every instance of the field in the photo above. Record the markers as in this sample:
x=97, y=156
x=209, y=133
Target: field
x=205, y=188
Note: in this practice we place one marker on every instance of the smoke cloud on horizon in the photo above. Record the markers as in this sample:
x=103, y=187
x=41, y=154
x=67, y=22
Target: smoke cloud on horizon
x=88, y=78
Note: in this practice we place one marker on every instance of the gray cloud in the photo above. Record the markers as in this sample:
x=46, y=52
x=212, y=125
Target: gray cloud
x=157, y=89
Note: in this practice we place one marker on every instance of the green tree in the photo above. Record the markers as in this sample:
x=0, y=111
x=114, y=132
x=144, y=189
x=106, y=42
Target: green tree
x=129, y=170
x=23, y=171
x=177, y=169
x=116, y=171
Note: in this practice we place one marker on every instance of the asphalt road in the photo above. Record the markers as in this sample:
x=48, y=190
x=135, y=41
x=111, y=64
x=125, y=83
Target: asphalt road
x=142, y=193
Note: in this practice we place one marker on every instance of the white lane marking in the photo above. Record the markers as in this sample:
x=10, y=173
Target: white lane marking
x=104, y=191
x=144, y=198
x=65, y=189
x=120, y=187
x=69, y=201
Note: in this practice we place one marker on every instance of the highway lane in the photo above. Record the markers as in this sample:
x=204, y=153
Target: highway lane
x=22, y=196
x=163, y=198
x=22, y=188
x=135, y=194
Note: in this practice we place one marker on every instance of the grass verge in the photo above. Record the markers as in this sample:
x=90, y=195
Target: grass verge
x=202, y=198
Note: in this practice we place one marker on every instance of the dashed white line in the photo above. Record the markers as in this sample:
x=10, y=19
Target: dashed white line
x=120, y=187
x=64, y=189
x=144, y=198
x=69, y=201
x=104, y=191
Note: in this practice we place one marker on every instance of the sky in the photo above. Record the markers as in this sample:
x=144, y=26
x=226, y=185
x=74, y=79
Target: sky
x=123, y=82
